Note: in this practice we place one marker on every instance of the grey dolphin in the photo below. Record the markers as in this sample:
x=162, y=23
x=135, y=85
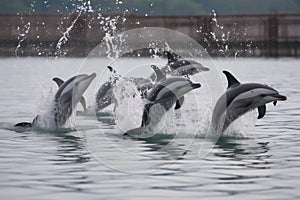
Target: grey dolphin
x=105, y=95
x=59, y=82
x=65, y=100
x=164, y=94
x=241, y=98
x=178, y=66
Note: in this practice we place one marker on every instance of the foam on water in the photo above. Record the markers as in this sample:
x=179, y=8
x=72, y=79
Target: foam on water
x=129, y=109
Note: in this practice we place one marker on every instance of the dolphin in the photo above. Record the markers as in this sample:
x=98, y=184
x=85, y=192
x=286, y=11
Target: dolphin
x=65, y=100
x=239, y=99
x=178, y=66
x=59, y=82
x=105, y=95
x=164, y=95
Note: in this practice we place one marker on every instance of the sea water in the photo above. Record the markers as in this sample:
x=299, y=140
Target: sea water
x=90, y=159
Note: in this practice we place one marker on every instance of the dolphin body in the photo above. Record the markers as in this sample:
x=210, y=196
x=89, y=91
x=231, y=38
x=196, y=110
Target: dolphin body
x=178, y=66
x=105, y=95
x=65, y=100
x=162, y=97
x=59, y=82
x=241, y=98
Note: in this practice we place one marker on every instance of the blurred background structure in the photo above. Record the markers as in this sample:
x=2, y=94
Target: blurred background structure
x=268, y=28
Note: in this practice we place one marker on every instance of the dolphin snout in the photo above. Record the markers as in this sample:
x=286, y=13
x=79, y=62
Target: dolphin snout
x=93, y=75
x=204, y=69
x=196, y=85
x=280, y=97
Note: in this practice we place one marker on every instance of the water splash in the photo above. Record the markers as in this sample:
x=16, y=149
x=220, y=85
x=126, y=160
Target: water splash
x=65, y=37
x=214, y=19
x=22, y=35
x=127, y=116
x=225, y=38
x=243, y=127
x=84, y=8
x=113, y=41
x=45, y=94
x=45, y=107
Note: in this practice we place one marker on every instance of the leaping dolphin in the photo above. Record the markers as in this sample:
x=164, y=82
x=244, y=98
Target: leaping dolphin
x=105, y=95
x=164, y=94
x=59, y=82
x=178, y=66
x=65, y=100
x=241, y=98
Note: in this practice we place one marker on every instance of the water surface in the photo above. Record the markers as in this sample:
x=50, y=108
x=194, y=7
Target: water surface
x=92, y=160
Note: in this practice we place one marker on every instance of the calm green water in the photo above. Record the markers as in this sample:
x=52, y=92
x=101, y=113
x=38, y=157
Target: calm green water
x=92, y=160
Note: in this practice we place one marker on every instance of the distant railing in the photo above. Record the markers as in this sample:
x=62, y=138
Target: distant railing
x=271, y=35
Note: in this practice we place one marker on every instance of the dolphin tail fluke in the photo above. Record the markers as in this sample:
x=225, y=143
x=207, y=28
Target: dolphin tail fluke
x=135, y=131
x=23, y=124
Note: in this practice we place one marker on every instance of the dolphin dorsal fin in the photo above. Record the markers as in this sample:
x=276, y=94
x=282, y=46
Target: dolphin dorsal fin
x=172, y=57
x=158, y=73
x=232, y=81
x=58, y=81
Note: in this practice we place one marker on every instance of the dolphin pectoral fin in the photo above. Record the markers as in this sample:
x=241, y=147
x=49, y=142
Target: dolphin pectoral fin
x=274, y=103
x=24, y=124
x=261, y=111
x=232, y=81
x=82, y=101
x=145, y=117
x=58, y=81
x=179, y=103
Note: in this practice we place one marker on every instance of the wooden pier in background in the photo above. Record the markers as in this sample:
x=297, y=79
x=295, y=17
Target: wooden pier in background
x=270, y=35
